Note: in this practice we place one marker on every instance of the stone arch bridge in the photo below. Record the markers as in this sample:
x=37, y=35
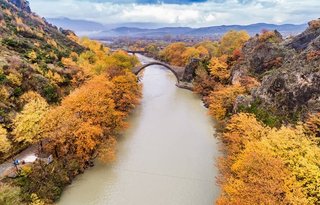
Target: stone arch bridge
x=184, y=75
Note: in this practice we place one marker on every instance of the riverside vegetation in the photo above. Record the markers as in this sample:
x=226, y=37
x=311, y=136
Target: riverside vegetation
x=264, y=92
x=69, y=96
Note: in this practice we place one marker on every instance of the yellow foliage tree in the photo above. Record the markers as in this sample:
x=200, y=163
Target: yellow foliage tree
x=241, y=129
x=172, y=54
x=260, y=177
x=15, y=79
x=268, y=166
x=211, y=46
x=219, y=68
x=301, y=155
x=203, y=52
x=232, y=40
x=4, y=94
x=190, y=53
x=27, y=123
x=4, y=142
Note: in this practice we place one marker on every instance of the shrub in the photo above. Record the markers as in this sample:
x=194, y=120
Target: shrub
x=15, y=79
x=4, y=94
x=263, y=115
x=269, y=36
x=46, y=181
x=313, y=125
x=9, y=195
x=51, y=93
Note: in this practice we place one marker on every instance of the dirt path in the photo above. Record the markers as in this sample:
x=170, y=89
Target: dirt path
x=28, y=155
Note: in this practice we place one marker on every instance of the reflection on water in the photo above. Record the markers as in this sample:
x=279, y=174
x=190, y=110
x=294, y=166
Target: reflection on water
x=166, y=157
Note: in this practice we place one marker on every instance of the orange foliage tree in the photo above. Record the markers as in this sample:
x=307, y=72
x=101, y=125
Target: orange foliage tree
x=221, y=100
x=85, y=119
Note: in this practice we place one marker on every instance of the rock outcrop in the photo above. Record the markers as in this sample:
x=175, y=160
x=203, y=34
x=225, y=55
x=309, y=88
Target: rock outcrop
x=289, y=71
x=302, y=41
x=22, y=4
x=189, y=72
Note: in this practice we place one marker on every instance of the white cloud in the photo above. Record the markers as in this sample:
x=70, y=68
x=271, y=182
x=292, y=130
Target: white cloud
x=213, y=12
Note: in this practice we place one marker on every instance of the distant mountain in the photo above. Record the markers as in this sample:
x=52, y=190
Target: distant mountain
x=76, y=25
x=85, y=27
x=153, y=30
x=285, y=29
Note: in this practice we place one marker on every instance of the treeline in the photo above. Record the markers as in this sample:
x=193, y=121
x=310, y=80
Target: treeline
x=84, y=126
x=267, y=159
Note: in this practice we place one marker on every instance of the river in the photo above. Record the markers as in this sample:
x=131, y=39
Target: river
x=166, y=157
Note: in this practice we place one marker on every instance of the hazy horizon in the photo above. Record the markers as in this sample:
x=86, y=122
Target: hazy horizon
x=186, y=13
x=152, y=25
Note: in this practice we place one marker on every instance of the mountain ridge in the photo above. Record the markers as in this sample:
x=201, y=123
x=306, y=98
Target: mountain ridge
x=138, y=29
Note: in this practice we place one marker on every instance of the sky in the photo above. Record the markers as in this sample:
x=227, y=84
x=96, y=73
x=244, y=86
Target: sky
x=193, y=13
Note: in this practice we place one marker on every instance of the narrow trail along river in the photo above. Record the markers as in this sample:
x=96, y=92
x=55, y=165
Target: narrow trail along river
x=166, y=157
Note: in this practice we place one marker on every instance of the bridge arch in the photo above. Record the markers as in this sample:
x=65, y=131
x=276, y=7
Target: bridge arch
x=139, y=69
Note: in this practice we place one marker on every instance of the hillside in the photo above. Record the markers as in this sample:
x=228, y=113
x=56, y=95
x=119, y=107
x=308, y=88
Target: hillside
x=30, y=58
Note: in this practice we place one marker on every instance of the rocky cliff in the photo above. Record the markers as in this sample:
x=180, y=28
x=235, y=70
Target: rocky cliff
x=288, y=69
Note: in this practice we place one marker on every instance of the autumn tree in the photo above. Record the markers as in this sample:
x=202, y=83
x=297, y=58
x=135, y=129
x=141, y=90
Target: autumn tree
x=84, y=120
x=301, y=156
x=126, y=92
x=172, y=54
x=268, y=166
x=219, y=68
x=4, y=142
x=231, y=41
x=241, y=129
x=203, y=52
x=221, y=100
x=260, y=177
x=211, y=46
x=27, y=123
x=189, y=53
